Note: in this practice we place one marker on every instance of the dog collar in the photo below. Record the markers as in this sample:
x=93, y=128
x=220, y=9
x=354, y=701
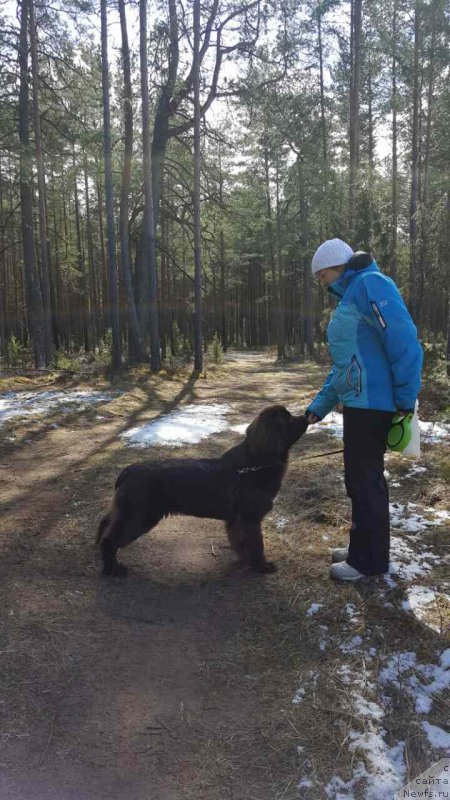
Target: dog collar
x=244, y=470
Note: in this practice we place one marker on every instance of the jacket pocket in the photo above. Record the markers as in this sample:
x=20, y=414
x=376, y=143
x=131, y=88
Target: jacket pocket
x=353, y=376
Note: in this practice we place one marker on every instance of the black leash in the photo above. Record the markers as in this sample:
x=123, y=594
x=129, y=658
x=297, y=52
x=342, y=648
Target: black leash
x=321, y=455
x=245, y=470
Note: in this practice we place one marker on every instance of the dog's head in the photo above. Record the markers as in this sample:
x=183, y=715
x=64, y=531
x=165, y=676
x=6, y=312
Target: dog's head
x=274, y=431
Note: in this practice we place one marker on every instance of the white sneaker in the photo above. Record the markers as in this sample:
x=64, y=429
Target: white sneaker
x=339, y=554
x=344, y=572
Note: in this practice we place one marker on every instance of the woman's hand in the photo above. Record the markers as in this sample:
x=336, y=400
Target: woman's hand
x=312, y=419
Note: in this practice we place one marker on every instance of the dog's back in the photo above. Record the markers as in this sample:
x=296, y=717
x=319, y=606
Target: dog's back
x=193, y=487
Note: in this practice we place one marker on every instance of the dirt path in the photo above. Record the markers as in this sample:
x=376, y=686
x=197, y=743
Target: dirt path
x=177, y=681
x=127, y=689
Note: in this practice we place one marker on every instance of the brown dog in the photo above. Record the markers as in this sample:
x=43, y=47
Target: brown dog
x=238, y=488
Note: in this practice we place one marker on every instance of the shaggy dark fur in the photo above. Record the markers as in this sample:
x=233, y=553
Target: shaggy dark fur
x=219, y=488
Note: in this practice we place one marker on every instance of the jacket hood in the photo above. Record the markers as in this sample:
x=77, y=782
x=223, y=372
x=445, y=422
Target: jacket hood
x=360, y=262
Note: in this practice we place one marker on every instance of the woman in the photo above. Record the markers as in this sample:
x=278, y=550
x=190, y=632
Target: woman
x=377, y=361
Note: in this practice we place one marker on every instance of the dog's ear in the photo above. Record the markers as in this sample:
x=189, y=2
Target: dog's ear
x=269, y=432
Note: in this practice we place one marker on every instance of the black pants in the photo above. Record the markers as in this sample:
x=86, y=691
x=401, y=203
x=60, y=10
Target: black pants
x=365, y=434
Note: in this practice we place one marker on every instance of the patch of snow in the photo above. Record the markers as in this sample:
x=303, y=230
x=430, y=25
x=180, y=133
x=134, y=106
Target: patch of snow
x=305, y=783
x=437, y=737
x=434, y=432
x=324, y=642
x=311, y=680
x=420, y=600
x=415, y=469
x=421, y=682
x=332, y=424
x=188, y=425
x=23, y=404
x=313, y=609
x=403, y=518
x=407, y=563
x=367, y=708
x=242, y=429
x=445, y=659
x=440, y=515
x=352, y=645
x=384, y=770
x=388, y=768
x=281, y=522
x=392, y=585
x=351, y=610
x=298, y=696
x=337, y=789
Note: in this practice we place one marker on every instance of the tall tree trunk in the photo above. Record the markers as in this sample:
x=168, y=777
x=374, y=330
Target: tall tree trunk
x=224, y=334
x=104, y=283
x=59, y=335
x=354, y=109
x=198, y=351
x=148, y=249
x=414, y=282
x=91, y=283
x=269, y=232
x=371, y=143
x=163, y=109
x=136, y=344
x=68, y=312
x=82, y=313
x=3, y=282
x=447, y=248
x=281, y=310
x=35, y=309
x=323, y=124
x=113, y=293
x=394, y=103
x=44, y=244
x=424, y=216
x=308, y=304
x=163, y=283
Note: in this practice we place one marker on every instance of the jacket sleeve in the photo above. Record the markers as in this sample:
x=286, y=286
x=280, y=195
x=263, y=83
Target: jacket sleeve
x=326, y=399
x=383, y=305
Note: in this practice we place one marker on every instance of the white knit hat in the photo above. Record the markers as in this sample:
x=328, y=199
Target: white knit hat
x=331, y=253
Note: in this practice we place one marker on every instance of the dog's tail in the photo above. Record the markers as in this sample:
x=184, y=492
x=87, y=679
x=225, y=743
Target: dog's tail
x=104, y=522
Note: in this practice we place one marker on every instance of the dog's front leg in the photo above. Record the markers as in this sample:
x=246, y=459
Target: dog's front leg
x=246, y=538
x=255, y=547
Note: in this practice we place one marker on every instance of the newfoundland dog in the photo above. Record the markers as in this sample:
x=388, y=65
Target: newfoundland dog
x=238, y=488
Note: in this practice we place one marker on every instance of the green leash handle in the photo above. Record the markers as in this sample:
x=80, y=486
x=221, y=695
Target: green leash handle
x=400, y=432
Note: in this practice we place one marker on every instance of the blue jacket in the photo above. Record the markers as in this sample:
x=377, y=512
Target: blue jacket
x=377, y=358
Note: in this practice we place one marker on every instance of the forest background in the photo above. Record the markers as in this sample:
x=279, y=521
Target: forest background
x=166, y=173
